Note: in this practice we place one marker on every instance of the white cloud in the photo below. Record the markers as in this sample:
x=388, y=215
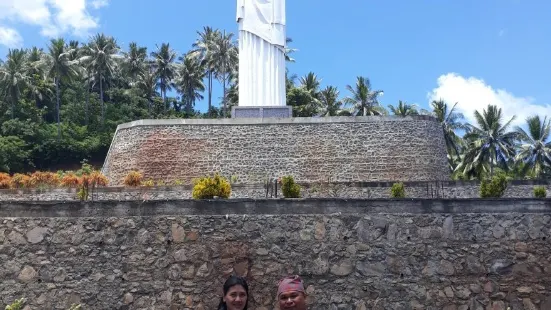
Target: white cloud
x=96, y=4
x=474, y=94
x=10, y=38
x=52, y=17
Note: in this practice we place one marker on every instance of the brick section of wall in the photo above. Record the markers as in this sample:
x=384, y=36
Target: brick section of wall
x=485, y=254
x=367, y=190
x=310, y=149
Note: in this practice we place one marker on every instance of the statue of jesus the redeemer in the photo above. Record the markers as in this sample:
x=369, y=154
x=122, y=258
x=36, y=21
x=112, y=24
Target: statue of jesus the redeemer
x=261, y=52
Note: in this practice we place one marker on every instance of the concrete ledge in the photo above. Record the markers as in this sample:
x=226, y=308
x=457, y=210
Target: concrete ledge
x=274, y=120
x=165, y=188
x=245, y=207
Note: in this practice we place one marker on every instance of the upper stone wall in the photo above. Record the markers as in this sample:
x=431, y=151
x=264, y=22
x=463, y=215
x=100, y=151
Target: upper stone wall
x=311, y=149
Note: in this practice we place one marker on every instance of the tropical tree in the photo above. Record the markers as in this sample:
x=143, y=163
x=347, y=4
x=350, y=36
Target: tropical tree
x=134, y=62
x=146, y=83
x=331, y=105
x=39, y=86
x=59, y=67
x=190, y=81
x=101, y=57
x=14, y=76
x=202, y=48
x=288, y=50
x=489, y=144
x=535, y=148
x=311, y=82
x=450, y=120
x=224, y=55
x=403, y=109
x=363, y=98
x=165, y=69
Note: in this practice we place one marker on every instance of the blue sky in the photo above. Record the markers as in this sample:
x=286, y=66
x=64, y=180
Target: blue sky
x=471, y=51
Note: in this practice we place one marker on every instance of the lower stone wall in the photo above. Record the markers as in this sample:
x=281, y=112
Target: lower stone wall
x=352, y=254
x=368, y=190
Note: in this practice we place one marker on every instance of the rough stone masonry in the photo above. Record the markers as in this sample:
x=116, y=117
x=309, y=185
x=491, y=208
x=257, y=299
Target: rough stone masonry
x=344, y=149
x=353, y=254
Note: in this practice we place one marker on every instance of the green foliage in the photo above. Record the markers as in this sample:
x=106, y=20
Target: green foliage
x=303, y=102
x=40, y=132
x=19, y=303
x=289, y=188
x=540, y=192
x=13, y=154
x=495, y=187
x=16, y=305
x=210, y=187
x=397, y=190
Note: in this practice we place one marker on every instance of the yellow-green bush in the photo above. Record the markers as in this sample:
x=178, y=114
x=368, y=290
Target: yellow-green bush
x=397, y=190
x=209, y=187
x=133, y=178
x=20, y=180
x=289, y=188
x=495, y=187
x=540, y=192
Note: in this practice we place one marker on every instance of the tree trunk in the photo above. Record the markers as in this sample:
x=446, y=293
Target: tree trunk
x=210, y=89
x=101, y=99
x=88, y=90
x=224, y=88
x=57, y=108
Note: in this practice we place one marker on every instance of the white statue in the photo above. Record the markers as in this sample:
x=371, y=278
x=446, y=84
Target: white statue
x=261, y=52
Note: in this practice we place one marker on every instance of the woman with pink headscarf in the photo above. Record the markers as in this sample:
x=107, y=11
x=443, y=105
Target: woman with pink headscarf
x=291, y=294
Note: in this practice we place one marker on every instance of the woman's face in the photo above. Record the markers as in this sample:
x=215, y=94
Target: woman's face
x=236, y=298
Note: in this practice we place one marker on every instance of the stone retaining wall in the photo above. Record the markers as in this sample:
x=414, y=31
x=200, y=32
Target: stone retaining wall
x=367, y=190
x=374, y=148
x=352, y=254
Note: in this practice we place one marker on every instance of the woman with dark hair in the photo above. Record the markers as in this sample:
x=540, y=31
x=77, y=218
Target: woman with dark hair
x=236, y=294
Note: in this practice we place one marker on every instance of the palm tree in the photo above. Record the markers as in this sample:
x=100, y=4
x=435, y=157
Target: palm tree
x=165, y=68
x=39, y=86
x=450, y=121
x=289, y=51
x=331, y=105
x=403, y=109
x=202, y=48
x=100, y=56
x=363, y=98
x=225, y=57
x=489, y=144
x=14, y=76
x=535, y=150
x=311, y=83
x=134, y=62
x=190, y=80
x=147, y=83
x=60, y=68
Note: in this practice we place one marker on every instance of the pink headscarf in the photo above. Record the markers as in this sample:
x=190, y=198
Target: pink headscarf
x=290, y=284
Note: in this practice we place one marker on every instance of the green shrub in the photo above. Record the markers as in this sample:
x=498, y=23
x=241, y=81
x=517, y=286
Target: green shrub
x=397, y=190
x=208, y=188
x=289, y=188
x=18, y=305
x=493, y=188
x=540, y=192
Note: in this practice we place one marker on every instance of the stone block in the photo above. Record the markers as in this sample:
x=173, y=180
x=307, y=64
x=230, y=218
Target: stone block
x=262, y=112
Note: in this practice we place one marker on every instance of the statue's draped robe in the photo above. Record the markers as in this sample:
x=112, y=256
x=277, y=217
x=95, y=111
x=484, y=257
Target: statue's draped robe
x=261, y=52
